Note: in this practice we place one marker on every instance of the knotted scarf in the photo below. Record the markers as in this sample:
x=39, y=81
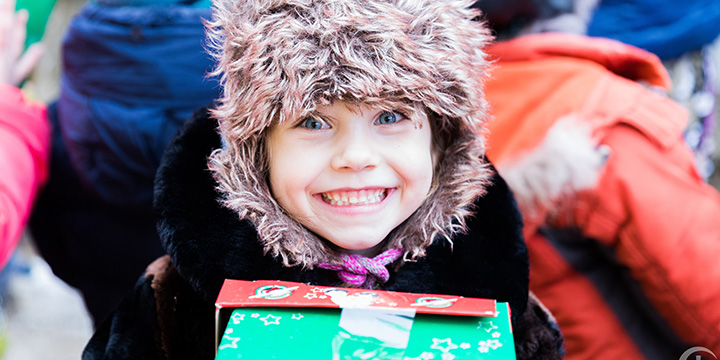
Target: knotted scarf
x=362, y=271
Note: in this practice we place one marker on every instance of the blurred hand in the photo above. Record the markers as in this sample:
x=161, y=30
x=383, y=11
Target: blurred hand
x=14, y=64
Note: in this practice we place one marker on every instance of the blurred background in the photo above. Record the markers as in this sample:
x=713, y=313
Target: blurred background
x=41, y=317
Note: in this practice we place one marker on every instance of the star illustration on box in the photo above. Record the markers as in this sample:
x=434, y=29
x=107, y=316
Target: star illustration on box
x=237, y=318
x=487, y=325
x=232, y=340
x=443, y=345
x=271, y=320
x=484, y=346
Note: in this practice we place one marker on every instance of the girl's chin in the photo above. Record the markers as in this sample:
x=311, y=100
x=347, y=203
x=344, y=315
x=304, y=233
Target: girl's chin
x=370, y=251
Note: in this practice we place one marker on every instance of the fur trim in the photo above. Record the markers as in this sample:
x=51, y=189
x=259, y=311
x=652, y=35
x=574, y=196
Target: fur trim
x=538, y=334
x=279, y=59
x=566, y=162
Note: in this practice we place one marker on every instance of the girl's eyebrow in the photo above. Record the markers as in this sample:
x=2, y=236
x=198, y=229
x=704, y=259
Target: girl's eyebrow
x=320, y=115
x=312, y=114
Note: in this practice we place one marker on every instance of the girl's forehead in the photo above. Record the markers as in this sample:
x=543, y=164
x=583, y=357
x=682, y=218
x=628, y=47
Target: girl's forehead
x=324, y=107
x=355, y=108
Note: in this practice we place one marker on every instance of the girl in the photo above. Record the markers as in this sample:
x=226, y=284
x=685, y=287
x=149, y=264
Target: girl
x=350, y=153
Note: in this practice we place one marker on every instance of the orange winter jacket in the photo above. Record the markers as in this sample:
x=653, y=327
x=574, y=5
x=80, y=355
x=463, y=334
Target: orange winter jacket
x=623, y=233
x=24, y=149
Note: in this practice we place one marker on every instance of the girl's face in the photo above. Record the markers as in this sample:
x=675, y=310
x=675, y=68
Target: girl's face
x=351, y=175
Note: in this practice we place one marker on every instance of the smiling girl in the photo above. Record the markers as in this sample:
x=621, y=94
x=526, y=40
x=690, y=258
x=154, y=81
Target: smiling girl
x=347, y=150
x=351, y=174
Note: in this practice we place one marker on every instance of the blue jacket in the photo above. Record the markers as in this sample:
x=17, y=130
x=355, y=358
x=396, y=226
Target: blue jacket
x=132, y=76
x=666, y=28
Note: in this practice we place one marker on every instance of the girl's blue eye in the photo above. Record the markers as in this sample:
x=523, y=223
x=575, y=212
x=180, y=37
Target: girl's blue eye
x=387, y=117
x=312, y=123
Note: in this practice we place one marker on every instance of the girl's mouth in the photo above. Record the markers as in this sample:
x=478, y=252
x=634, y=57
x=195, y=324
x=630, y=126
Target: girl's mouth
x=354, y=198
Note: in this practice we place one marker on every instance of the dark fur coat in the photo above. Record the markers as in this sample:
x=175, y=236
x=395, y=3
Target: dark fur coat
x=170, y=315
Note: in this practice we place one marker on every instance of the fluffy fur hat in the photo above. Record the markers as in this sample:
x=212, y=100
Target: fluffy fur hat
x=279, y=59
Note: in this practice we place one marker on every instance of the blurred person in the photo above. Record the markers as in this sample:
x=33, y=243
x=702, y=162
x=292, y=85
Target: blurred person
x=132, y=72
x=621, y=228
x=666, y=28
x=24, y=131
x=686, y=37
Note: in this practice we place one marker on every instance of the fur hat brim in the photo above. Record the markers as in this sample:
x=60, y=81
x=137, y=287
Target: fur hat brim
x=280, y=59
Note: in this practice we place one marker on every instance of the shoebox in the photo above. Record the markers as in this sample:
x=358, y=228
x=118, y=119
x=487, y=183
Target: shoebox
x=286, y=320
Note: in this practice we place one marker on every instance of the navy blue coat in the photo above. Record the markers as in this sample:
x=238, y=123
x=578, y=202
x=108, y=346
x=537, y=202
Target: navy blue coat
x=131, y=77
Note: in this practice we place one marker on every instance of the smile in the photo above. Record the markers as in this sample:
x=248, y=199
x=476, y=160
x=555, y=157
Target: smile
x=354, y=198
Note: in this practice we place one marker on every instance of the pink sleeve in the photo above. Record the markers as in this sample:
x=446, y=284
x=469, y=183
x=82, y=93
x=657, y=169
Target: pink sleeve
x=24, y=151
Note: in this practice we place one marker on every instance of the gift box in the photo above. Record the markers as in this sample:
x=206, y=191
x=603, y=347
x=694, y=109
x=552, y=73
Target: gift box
x=285, y=320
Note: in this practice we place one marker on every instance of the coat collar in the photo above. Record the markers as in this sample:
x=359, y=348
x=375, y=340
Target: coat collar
x=208, y=243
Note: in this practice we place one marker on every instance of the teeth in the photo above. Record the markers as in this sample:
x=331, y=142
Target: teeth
x=350, y=198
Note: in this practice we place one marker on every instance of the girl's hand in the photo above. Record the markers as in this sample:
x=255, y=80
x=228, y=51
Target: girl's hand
x=14, y=64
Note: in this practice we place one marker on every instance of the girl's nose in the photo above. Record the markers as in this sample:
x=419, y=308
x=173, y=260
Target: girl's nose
x=355, y=151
